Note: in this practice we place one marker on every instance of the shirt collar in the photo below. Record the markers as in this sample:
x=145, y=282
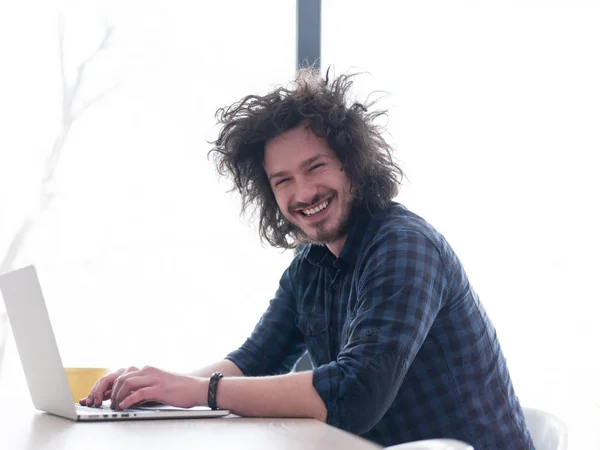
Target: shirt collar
x=360, y=228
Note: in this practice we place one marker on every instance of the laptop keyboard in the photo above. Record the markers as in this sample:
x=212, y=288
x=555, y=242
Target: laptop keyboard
x=90, y=409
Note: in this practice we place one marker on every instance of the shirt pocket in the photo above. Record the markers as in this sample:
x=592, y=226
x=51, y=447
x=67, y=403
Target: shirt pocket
x=314, y=329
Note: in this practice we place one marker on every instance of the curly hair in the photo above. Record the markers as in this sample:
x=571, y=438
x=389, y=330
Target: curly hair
x=348, y=127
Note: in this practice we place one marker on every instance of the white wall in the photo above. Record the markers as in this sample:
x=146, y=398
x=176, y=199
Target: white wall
x=495, y=117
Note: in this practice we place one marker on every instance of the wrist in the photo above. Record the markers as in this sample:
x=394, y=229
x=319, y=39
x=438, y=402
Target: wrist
x=199, y=390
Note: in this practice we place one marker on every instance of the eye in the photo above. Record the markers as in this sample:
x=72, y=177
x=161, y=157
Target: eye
x=283, y=180
x=316, y=166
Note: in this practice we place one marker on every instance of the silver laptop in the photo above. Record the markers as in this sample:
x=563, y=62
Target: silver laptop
x=42, y=365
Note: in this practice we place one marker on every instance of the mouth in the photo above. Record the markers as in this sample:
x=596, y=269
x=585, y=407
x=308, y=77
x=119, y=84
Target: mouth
x=315, y=212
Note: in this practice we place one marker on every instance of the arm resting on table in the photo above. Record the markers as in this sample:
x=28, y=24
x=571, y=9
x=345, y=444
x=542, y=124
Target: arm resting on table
x=290, y=395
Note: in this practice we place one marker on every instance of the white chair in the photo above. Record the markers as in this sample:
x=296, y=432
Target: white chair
x=432, y=444
x=547, y=431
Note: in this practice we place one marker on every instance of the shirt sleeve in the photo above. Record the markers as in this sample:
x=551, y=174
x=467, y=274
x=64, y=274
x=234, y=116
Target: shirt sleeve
x=276, y=342
x=401, y=284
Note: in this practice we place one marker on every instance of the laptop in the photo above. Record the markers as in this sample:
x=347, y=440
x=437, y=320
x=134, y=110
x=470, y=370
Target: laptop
x=42, y=365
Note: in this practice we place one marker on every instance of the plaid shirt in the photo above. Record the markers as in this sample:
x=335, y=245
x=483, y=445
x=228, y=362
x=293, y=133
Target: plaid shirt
x=401, y=347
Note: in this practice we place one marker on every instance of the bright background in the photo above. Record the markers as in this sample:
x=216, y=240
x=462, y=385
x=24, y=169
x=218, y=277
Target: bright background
x=494, y=112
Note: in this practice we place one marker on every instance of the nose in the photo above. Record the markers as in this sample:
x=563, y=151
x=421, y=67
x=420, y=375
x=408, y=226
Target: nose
x=306, y=191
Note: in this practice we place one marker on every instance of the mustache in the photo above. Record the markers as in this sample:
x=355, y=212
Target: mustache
x=320, y=196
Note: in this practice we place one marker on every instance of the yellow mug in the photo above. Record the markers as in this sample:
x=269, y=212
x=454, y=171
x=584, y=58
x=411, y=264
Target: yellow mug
x=82, y=379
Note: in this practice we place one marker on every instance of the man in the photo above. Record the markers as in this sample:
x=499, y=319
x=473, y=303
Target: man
x=402, y=348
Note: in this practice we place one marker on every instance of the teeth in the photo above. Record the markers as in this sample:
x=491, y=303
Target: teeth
x=310, y=212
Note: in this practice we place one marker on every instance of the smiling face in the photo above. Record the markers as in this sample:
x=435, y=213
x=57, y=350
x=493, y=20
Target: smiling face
x=310, y=186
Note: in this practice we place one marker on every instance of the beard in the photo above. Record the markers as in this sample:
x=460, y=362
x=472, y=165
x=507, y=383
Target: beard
x=326, y=234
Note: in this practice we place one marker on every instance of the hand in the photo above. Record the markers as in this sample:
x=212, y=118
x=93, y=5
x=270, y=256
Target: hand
x=102, y=390
x=134, y=386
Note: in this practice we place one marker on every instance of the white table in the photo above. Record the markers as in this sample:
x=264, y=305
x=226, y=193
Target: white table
x=22, y=427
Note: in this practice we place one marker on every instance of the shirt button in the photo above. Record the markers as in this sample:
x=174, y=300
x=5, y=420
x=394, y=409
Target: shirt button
x=309, y=332
x=369, y=332
x=335, y=287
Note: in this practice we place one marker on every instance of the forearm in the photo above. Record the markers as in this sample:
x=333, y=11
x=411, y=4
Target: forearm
x=226, y=367
x=291, y=395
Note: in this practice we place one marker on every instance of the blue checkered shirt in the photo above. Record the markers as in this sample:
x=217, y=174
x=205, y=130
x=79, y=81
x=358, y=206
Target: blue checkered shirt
x=401, y=346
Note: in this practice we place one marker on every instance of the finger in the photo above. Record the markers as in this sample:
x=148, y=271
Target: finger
x=96, y=394
x=87, y=400
x=84, y=400
x=128, y=386
x=143, y=394
x=91, y=398
x=103, y=385
x=130, y=371
x=92, y=395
